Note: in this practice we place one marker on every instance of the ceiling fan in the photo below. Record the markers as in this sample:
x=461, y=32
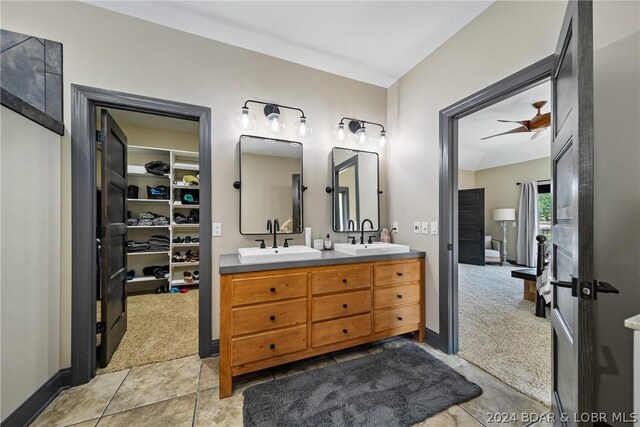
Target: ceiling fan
x=537, y=124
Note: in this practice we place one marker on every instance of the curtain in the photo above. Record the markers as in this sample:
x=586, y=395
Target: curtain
x=528, y=224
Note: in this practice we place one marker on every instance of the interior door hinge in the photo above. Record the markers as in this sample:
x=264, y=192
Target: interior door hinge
x=449, y=246
x=100, y=327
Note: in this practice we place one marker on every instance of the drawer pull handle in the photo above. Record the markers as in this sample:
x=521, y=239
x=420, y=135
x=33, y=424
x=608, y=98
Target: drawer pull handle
x=344, y=280
x=344, y=306
x=272, y=317
x=273, y=289
x=345, y=331
x=399, y=296
x=399, y=317
x=399, y=273
x=272, y=346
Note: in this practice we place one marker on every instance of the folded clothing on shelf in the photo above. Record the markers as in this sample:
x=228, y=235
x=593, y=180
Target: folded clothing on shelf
x=179, y=218
x=148, y=219
x=133, y=246
x=194, y=217
x=157, y=271
x=157, y=167
x=158, y=243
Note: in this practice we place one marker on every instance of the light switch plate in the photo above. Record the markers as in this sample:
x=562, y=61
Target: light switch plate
x=425, y=227
x=416, y=227
x=434, y=227
x=217, y=229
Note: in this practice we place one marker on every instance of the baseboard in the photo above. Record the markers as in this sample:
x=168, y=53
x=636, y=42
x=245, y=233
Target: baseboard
x=26, y=413
x=433, y=339
x=215, y=347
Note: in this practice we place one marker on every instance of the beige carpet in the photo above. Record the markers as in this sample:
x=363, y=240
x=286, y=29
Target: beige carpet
x=159, y=328
x=499, y=331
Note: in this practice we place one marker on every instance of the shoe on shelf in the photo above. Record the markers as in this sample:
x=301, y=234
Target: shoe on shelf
x=187, y=239
x=188, y=277
x=131, y=274
x=196, y=275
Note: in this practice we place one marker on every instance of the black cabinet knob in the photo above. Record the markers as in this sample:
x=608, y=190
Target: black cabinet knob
x=344, y=280
x=272, y=346
x=344, y=306
x=273, y=289
x=344, y=331
x=399, y=273
x=272, y=317
x=399, y=318
x=399, y=296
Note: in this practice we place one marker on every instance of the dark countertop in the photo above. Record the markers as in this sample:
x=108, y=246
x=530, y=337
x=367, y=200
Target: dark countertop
x=525, y=273
x=230, y=263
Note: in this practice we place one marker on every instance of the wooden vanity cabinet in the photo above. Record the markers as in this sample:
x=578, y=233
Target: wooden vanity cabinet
x=268, y=318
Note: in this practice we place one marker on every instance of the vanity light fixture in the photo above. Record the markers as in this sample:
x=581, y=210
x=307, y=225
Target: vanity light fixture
x=359, y=130
x=245, y=120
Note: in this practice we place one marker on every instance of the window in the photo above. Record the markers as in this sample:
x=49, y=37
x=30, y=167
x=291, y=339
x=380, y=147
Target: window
x=544, y=211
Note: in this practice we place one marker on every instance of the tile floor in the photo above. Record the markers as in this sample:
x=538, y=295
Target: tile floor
x=184, y=392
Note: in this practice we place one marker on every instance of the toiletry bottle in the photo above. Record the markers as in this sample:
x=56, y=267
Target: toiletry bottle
x=318, y=243
x=307, y=236
x=328, y=244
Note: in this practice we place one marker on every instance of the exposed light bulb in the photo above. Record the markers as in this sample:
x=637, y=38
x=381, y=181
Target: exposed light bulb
x=244, y=119
x=383, y=139
x=302, y=127
x=361, y=134
x=341, y=133
x=274, y=123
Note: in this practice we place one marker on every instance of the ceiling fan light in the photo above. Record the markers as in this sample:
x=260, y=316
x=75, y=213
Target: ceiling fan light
x=245, y=119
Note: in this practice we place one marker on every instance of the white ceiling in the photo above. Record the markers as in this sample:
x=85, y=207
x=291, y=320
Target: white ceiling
x=372, y=41
x=475, y=154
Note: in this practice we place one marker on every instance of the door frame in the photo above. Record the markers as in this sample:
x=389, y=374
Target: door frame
x=447, y=339
x=84, y=100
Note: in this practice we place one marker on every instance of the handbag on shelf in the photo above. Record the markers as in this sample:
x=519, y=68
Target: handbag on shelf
x=160, y=192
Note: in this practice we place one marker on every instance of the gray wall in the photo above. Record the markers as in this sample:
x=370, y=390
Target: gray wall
x=617, y=195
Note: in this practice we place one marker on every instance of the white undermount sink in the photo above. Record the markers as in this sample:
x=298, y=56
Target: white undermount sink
x=376, y=248
x=281, y=254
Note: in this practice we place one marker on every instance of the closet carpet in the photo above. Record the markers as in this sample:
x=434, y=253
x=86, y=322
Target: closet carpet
x=159, y=328
x=499, y=331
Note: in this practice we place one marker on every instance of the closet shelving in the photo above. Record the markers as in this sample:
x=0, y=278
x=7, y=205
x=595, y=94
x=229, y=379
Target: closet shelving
x=181, y=163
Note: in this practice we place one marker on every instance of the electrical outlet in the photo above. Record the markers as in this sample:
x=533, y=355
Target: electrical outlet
x=434, y=227
x=425, y=227
x=513, y=224
x=416, y=227
x=216, y=229
x=395, y=225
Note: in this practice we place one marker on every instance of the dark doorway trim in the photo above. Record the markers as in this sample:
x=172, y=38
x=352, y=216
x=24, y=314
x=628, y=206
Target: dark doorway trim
x=448, y=246
x=84, y=101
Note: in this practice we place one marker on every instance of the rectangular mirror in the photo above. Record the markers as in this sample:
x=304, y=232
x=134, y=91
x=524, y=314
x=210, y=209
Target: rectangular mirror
x=355, y=190
x=270, y=185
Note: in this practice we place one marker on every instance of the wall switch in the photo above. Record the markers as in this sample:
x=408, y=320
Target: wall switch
x=417, y=227
x=434, y=227
x=216, y=229
x=425, y=227
x=394, y=225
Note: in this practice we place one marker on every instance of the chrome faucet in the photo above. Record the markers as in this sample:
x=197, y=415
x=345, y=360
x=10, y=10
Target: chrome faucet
x=362, y=230
x=276, y=227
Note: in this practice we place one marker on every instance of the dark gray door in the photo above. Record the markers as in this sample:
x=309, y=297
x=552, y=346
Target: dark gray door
x=572, y=216
x=471, y=226
x=114, y=236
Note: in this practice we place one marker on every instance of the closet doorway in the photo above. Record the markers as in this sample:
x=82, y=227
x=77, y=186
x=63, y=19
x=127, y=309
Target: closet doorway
x=141, y=181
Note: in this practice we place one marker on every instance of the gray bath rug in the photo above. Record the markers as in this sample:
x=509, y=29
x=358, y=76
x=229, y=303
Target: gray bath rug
x=396, y=387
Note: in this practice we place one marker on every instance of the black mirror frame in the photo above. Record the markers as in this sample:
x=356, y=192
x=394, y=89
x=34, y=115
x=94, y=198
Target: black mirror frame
x=331, y=190
x=238, y=184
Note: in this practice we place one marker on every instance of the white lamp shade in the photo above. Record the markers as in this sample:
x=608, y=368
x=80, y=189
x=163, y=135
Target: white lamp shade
x=504, y=214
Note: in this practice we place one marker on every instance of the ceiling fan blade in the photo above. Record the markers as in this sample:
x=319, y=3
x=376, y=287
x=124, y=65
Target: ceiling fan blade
x=524, y=123
x=537, y=133
x=516, y=130
x=540, y=122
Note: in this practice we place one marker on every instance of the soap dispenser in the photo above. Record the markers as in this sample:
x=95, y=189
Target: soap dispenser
x=328, y=244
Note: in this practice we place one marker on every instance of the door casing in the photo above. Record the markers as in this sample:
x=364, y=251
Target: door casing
x=447, y=339
x=84, y=101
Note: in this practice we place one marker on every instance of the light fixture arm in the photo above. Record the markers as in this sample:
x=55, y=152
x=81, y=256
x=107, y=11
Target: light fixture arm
x=362, y=122
x=275, y=105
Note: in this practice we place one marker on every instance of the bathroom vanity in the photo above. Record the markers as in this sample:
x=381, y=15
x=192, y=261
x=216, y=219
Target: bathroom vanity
x=280, y=312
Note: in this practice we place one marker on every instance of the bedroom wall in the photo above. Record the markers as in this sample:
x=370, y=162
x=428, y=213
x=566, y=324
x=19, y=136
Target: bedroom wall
x=466, y=179
x=502, y=191
x=497, y=43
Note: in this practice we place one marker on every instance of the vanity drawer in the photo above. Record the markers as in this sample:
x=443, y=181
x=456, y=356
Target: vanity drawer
x=269, y=288
x=392, y=296
x=269, y=344
x=263, y=317
x=335, y=331
x=403, y=272
x=343, y=279
x=340, y=305
x=396, y=317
